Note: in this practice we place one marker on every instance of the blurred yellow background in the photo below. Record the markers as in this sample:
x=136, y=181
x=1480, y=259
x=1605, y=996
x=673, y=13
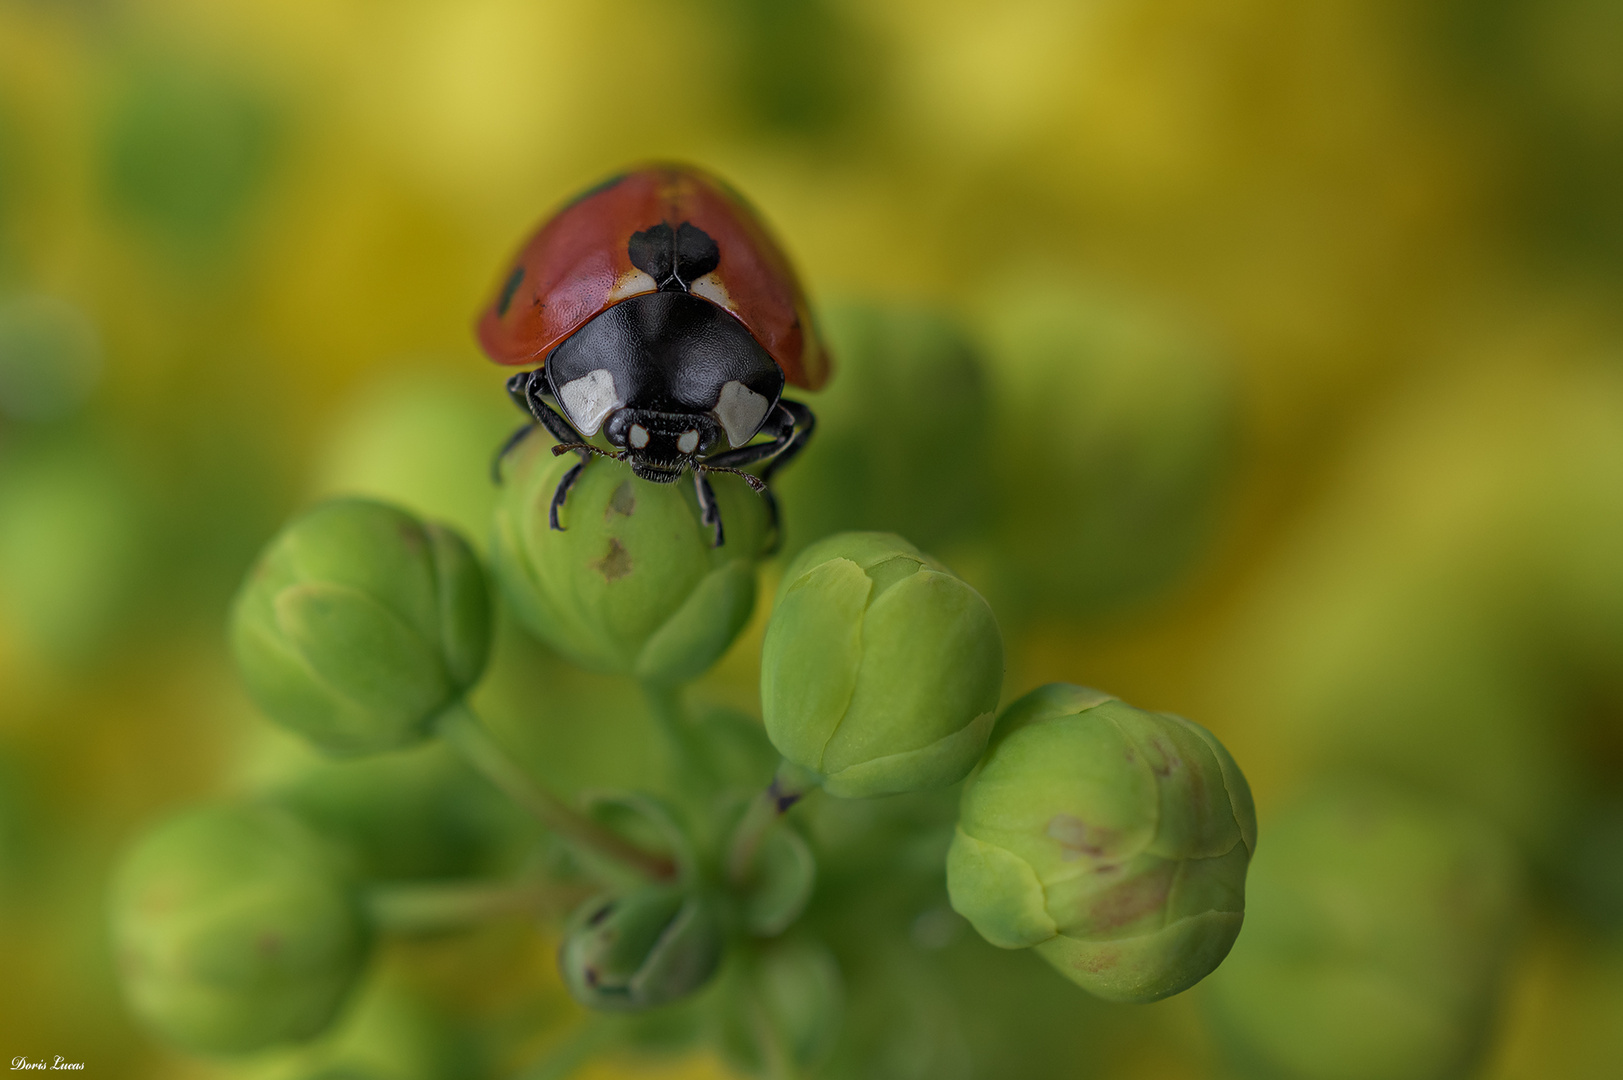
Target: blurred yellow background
x=241, y=246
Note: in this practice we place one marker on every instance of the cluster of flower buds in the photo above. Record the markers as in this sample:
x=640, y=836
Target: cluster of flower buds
x=1113, y=842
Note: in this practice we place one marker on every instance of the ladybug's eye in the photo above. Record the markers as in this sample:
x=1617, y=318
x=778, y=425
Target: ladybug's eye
x=689, y=442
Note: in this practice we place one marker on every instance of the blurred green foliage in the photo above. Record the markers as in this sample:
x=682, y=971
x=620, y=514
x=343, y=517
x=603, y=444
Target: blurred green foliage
x=905, y=436
x=1549, y=69
x=184, y=151
x=1127, y=423
x=71, y=542
x=1380, y=928
x=797, y=67
x=49, y=357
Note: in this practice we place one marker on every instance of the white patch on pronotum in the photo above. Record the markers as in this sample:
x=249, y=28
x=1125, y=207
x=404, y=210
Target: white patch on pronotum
x=633, y=282
x=710, y=287
x=740, y=411
x=689, y=442
x=589, y=399
x=639, y=436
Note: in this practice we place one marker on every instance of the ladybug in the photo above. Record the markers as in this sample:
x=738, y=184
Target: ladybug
x=662, y=314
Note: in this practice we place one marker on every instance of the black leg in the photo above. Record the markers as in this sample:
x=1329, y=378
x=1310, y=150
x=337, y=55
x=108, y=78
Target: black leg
x=789, y=426
x=804, y=423
x=709, y=512
x=507, y=448
x=562, y=492
x=527, y=389
x=518, y=388
x=546, y=415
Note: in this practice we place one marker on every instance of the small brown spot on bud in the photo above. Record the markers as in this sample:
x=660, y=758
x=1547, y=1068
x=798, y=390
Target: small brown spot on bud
x=615, y=563
x=1103, y=960
x=1132, y=899
x=1078, y=838
x=1170, y=761
x=622, y=502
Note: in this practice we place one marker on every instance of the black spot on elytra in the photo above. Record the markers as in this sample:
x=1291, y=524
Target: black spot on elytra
x=596, y=189
x=674, y=258
x=506, y=299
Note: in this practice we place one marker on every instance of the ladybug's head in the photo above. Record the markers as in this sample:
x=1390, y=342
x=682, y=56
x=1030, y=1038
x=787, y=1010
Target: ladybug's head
x=660, y=445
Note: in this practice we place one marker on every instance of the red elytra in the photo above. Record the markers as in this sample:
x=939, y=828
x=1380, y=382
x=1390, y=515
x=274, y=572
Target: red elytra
x=578, y=265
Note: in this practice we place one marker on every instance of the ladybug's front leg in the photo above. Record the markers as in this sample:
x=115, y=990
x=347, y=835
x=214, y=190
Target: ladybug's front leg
x=526, y=389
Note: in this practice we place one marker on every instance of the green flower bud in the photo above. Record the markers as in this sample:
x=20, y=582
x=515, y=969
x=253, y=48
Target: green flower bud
x=1380, y=929
x=789, y=992
x=647, y=948
x=360, y=624
x=235, y=928
x=632, y=584
x=881, y=670
x=1113, y=841
x=780, y=884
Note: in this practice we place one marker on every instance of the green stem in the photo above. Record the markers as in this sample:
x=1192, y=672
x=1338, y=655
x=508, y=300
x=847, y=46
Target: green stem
x=460, y=728
x=430, y=906
x=775, y=1055
x=789, y=786
x=688, y=764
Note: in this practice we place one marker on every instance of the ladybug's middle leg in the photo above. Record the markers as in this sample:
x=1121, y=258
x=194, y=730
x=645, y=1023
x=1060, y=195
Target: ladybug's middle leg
x=789, y=426
x=526, y=389
x=709, y=512
x=802, y=423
